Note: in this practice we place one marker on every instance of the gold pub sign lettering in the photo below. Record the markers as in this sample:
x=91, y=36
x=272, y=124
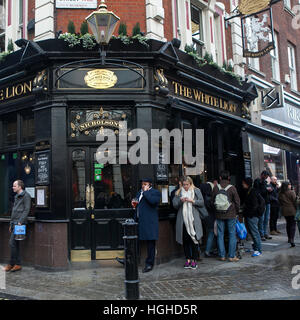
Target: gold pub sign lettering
x=98, y=123
x=100, y=79
x=16, y=90
x=199, y=96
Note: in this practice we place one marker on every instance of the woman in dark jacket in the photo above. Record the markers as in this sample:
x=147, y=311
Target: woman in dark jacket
x=251, y=215
x=287, y=200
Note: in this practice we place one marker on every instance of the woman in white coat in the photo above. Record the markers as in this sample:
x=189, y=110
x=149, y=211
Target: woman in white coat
x=188, y=201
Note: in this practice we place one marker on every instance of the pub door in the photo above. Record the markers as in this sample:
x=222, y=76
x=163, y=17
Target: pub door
x=100, y=202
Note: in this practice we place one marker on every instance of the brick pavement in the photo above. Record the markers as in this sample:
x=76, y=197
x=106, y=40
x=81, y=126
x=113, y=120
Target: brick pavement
x=265, y=277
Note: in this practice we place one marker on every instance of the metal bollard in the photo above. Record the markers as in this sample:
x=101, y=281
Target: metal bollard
x=131, y=260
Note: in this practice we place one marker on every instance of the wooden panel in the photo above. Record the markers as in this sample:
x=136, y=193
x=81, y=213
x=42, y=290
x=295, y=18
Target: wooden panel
x=80, y=255
x=109, y=254
x=80, y=232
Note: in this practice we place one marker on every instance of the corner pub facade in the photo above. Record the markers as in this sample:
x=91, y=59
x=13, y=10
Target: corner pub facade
x=49, y=123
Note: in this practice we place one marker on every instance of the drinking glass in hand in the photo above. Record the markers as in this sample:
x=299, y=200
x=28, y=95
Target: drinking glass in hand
x=134, y=202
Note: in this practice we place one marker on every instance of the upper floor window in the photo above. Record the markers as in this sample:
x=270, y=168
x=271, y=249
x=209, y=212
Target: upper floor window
x=292, y=66
x=197, y=29
x=275, y=60
x=21, y=17
x=287, y=3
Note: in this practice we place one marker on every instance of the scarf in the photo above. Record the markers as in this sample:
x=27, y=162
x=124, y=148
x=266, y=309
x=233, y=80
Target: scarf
x=187, y=212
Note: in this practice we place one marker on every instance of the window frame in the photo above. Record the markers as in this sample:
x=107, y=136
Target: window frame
x=198, y=44
x=292, y=66
x=275, y=60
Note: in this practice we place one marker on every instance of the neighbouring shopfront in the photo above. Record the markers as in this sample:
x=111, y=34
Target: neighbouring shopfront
x=52, y=116
x=283, y=161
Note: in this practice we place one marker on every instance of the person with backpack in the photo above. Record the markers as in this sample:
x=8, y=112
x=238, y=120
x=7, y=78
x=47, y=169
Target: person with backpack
x=226, y=202
x=251, y=214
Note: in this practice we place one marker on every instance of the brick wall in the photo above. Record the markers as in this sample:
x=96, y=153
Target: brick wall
x=168, y=22
x=129, y=11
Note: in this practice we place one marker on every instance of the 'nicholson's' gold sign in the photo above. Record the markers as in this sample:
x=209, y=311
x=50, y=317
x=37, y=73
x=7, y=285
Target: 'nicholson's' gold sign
x=16, y=91
x=100, y=79
x=205, y=98
x=99, y=123
x=252, y=6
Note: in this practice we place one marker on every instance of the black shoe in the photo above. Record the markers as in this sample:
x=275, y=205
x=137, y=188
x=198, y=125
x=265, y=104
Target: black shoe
x=147, y=269
x=268, y=237
x=120, y=260
x=208, y=255
x=293, y=245
x=263, y=238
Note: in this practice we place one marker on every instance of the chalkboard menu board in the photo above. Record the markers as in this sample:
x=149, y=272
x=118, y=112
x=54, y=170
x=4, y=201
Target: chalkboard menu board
x=42, y=167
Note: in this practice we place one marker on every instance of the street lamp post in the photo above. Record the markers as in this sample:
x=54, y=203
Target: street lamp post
x=102, y=24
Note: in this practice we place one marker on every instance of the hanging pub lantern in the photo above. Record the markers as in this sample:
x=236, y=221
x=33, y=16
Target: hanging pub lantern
x=102, y=23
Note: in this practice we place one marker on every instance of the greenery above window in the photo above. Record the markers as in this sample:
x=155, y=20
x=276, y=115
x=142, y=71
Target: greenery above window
x=208, y=59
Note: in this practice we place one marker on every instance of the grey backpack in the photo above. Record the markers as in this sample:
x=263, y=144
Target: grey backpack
x=222, y=203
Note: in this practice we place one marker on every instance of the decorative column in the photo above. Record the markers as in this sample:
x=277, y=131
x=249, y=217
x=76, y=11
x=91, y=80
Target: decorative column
x=44, y=20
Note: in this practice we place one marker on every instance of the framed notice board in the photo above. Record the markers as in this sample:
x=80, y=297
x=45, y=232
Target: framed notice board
x=42, y=162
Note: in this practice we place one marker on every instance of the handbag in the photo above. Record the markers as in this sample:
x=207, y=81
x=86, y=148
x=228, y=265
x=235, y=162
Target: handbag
x=203, y=213
x=241, y=230
x=20, y=232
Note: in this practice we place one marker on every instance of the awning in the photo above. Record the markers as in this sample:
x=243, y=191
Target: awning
x=272, y=138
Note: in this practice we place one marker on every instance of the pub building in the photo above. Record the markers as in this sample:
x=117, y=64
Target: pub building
x=54, y=106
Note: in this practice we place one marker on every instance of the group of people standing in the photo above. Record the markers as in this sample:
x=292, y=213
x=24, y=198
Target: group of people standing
x=217, y=205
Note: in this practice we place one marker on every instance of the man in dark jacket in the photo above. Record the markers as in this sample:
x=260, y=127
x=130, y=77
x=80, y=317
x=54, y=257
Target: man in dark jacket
x=274, y=203
x=147, y=216
x=265, y=190
x=20, y=211
x=227, y=217
x=251, y=215
x=206, y=190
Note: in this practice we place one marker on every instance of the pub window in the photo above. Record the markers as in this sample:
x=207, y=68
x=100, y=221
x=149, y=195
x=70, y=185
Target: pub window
x=78, y=179
x=27, y=174
x=197, y=29
x=8, y=174
x=28, y=132
x=113, y=185
x=10, y=131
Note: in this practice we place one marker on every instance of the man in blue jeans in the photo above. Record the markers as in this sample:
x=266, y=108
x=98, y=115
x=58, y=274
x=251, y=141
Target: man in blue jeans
x=251, y=215
x=265, y=189
x=226, y=203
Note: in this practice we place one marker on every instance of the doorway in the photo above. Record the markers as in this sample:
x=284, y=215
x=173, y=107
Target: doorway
x=100, y=202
